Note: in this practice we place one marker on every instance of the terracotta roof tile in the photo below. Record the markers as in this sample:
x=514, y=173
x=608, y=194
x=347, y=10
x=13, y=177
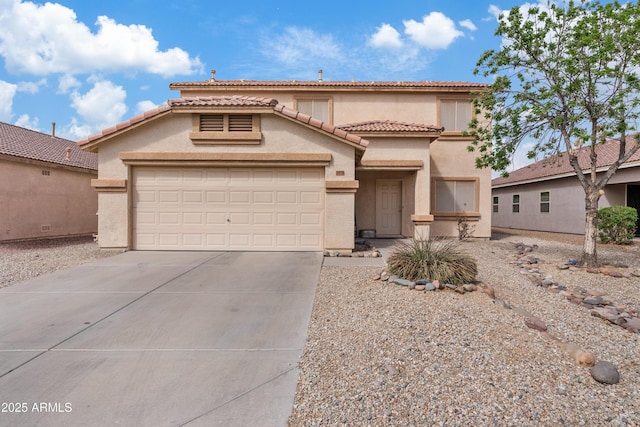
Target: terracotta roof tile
x=559, y=163
x=229, y=101
x=388, y=126
x=223, y=101
x=326, y=83
x=20, y=142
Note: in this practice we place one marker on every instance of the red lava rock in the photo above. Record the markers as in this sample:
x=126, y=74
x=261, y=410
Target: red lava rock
x=604, y=270
x=593, y=270
x=420, y=287
x=437, y=284
x=535, y=323
x=488, y=289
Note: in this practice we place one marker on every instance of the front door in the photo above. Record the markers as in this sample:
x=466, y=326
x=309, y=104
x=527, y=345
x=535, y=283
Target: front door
x=388, y=208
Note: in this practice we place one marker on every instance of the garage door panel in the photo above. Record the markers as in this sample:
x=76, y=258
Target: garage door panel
x=228, y=209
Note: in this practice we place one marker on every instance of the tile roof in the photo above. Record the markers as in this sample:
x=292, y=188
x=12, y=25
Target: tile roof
x=425, y=84
x=28, y=144
x=384, y=126
x=558, y=165
x=229, y=101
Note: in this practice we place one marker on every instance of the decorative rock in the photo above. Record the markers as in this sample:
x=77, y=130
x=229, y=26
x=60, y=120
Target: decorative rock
x=420, y=287
x=437, y=284
x=422, y=282
x=547, y=282
x=403, y=282
x=411, y=285
x=562, y=266
x=593, y=300
x=632, y=324
x=488, y=289
x=393, y=278
x=616, y=274
x=384, y=276
x=450, y=286
x=429, y=287
x=593, y=270
x=470, y=287
x=535, y=323
x=605, y=372
x=604, y=270
x=460, y=290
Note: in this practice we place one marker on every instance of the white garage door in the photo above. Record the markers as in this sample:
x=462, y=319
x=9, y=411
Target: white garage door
x=228, y=209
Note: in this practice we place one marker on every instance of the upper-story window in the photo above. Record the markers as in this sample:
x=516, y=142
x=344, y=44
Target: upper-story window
x=318, y=108
x=496, y=203
x=455, y=114
x=226, y=129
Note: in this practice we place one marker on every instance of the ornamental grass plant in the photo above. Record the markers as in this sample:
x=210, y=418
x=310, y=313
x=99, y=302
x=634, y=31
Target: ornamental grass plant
x=433, y=259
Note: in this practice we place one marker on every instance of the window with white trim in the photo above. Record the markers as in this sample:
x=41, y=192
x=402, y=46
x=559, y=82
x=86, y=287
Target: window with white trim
x=515, y=204
x=544, y=202
x=496, y=201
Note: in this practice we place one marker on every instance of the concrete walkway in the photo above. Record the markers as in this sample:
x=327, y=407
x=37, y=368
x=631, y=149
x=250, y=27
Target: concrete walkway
x=157, y=339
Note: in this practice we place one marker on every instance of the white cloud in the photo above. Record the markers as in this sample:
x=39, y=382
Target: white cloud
x=101, y=107
x=31, y=87
x=41, y=39
x=386, y=37
x=144, y=106
x=302, y=46
x=7, y=92
x=468, y=24
x=495, y=11
x=67, y=82
x=436, y=31
x=27, y=122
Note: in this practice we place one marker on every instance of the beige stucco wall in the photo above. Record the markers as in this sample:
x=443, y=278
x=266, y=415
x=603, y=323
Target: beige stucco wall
x=450, y=158
x=63, y=200
x=171, y=134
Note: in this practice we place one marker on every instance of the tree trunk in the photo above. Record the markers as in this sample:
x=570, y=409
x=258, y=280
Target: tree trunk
x=589, y=254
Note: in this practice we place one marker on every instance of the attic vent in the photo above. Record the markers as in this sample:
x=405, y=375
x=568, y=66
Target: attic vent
x=211, y=123
x=240, y=123
x=46, y=173
x=45, y=228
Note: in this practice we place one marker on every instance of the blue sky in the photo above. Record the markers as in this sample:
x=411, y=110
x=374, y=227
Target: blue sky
x=87, y=65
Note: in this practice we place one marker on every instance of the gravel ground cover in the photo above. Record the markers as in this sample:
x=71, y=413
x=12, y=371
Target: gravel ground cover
x=20, y=261
x=380, y=354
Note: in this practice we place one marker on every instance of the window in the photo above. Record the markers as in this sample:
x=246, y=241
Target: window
x=226, y=129
x=455, y=196
x=544, y=201
x=318, y=108
x=516, y=203
x=455, y=114
x=495, y=203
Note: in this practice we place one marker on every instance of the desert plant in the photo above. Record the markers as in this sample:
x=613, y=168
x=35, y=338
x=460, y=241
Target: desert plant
x=465, y=228
x=432, y=259
x=617, y=224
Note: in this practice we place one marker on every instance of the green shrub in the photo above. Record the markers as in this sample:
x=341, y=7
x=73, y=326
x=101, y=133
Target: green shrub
x=617, y=224
x=432, y=259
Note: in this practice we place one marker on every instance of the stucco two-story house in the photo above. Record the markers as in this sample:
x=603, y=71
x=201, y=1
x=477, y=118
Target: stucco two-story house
x=547, y=196
x=290, y=165
x=45, y=186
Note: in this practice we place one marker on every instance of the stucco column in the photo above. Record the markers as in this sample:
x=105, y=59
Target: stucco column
x=422, y=217
x=340, y=215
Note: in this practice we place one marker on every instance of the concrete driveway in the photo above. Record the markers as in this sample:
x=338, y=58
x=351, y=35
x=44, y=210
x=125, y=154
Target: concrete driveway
x=157, y=339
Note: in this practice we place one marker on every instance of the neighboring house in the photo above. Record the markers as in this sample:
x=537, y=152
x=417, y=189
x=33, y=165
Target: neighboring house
x=547, y=196
x=290, y=165
x=45, y=186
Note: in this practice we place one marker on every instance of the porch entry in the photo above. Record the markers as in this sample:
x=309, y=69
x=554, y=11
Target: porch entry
x=388, y=208
x=633, y=200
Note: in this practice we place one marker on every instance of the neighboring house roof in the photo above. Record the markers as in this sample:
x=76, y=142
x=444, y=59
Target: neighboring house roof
x=425, y=85
x=226, y=101
x=25, y=143
x=389, y=126
x=558, y=166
